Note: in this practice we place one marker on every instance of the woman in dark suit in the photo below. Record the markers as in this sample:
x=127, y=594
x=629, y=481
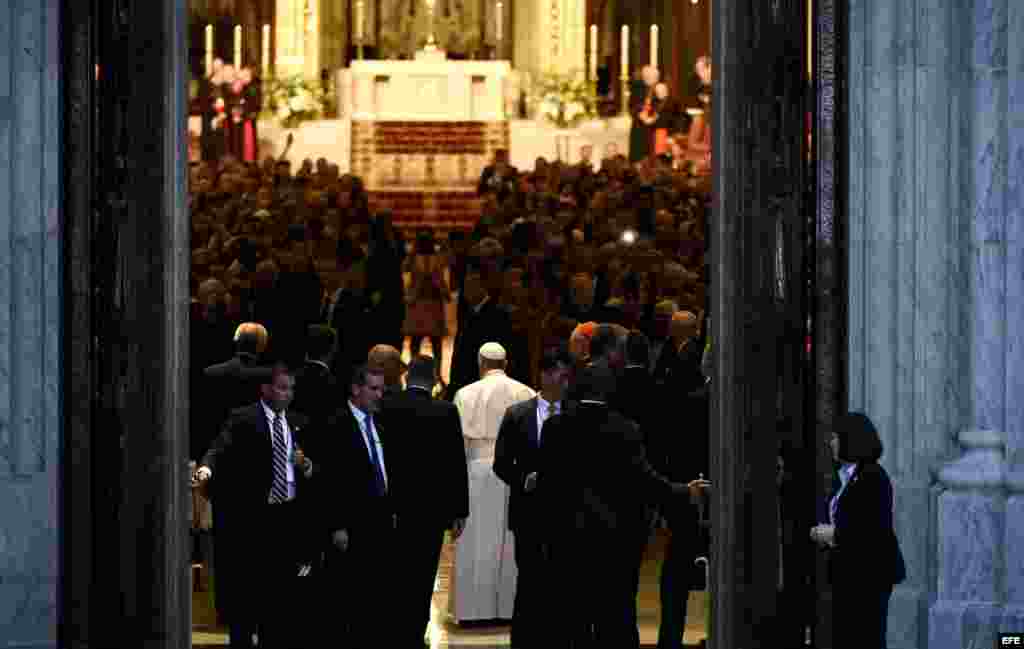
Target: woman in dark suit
x=865, y=561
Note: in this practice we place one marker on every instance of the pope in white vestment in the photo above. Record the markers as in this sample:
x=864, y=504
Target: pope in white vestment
x=483, y=580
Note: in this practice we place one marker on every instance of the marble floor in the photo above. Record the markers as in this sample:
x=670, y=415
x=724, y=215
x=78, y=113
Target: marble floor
x=444, y=634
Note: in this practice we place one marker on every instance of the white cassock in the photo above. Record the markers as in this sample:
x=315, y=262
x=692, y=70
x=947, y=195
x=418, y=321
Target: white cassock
x=483, y=584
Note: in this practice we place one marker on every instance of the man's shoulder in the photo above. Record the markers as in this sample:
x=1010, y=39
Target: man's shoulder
x=251, y=411
x=521, y=408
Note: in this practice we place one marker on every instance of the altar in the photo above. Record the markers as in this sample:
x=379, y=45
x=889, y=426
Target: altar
x=424, y=90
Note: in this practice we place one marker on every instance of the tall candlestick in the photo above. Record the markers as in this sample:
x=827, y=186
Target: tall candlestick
x=624, y=74
x=209, y=50
x=266, y=52
x=654, y=46
x=593, y=52
x=238, y=47
x=499, y=10
x=625, y=49
x=359, y=21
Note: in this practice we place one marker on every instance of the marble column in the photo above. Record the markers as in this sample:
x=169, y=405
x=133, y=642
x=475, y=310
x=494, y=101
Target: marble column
x=972, y=525
x=905, y=348
x=31, y=237
x=936, y=282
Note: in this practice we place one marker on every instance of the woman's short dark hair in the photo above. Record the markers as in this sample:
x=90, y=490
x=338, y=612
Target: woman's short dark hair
x=858, y=438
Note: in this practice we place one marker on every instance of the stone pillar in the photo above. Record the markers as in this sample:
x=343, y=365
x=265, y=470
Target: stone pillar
x=906, y=345
x=1013, y=558
x=31, y=236
x=973, y=541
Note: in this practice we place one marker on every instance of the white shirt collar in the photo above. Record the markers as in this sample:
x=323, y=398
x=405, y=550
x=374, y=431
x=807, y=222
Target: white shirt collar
x=269, y=412
x=359, y=414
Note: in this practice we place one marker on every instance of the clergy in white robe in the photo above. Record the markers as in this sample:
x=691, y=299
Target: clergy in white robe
x=484, y=576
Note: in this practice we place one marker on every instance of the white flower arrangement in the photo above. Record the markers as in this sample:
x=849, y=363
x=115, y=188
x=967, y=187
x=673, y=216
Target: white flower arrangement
x=294, y=100
x=566, y=100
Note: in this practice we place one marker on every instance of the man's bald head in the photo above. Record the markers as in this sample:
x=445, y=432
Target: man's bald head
x=650, y=75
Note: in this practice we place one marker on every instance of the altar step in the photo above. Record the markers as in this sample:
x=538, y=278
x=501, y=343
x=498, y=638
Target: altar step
x=440, y=211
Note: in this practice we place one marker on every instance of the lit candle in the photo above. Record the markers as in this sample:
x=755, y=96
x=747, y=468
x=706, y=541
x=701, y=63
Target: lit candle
x=654, y=46
x=209, y=50
x=625, y=50
x=499, y=10
x=266, y=51
x=238, y=47
x=593, y=52
x=359, y=21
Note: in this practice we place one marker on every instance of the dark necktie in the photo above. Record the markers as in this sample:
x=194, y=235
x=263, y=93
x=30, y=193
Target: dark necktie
x=371, y=439
x=279, y=489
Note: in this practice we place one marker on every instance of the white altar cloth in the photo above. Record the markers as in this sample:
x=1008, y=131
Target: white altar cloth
x=411, y=91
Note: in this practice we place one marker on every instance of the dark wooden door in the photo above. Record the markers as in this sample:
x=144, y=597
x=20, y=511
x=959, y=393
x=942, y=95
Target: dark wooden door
x=777, y=314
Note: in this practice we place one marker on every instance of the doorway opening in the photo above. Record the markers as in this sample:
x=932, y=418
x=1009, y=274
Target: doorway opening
x=775, y=277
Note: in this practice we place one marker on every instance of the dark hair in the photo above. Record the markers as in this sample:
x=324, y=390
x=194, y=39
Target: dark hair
x=604, y=341
x=552, y=358
x=638, y=348
x=422, y=370
x=320, y=341
x=858, y=438
x=279, y=368
x=362, y=373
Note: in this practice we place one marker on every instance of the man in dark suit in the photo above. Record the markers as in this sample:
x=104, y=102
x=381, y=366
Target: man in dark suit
x=485, y=321
x=235, y=382
x=316, y=389
x=257, y=474
x=515, y=463
x=358, y=517
x=496, y=176
x=679, y=448
x=596, y=509
x=431, y=491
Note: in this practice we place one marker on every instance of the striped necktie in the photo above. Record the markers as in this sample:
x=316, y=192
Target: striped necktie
x=279, y=489
x=380, y=483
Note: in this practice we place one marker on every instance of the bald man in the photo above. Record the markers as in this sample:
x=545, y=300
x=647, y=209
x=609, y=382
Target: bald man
x=642, y=101
x=681, y=453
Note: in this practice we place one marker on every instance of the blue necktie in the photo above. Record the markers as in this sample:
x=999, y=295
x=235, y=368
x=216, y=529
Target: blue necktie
x=381, y=485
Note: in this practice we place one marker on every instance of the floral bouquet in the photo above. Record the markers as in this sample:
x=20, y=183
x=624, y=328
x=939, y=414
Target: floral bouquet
x=294, y=100
x=565, y=100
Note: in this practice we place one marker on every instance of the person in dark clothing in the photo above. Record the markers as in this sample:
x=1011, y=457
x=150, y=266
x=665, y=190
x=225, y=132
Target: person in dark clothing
x=385, y=285
x=316, y=388
x=515, y=463
x=259, y=478
x=865, y=560
x=235, y=382
x=643, y=107
x=349, y=315
x=210, y=334
x=595, y=509
x=431, y=490
x=297, y=295
x=485, y=321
